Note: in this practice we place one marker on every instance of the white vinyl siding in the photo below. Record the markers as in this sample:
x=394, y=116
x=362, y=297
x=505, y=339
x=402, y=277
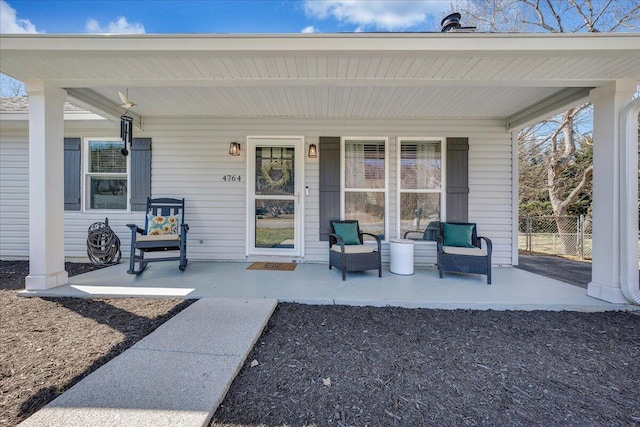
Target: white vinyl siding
x=190, y=156
x=14, y=194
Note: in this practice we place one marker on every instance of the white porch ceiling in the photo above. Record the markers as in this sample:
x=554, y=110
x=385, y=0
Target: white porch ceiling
x=381, y=76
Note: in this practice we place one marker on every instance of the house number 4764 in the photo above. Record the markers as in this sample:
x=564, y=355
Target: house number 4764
x=231, y=178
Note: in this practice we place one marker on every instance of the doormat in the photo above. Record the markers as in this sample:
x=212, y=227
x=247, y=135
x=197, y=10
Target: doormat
x=279, y=266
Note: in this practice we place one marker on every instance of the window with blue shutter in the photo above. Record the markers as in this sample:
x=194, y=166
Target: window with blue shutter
x=457, y=182
x=106, y=174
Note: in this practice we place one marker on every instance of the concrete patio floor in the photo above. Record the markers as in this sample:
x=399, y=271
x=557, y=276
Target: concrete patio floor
x=512, y=289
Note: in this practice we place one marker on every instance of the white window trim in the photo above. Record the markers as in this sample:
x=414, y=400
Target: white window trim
x=343, y=140
x=86, y=173
x=443, y=180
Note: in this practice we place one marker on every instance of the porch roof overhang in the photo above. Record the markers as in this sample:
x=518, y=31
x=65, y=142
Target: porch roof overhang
x=517, y=78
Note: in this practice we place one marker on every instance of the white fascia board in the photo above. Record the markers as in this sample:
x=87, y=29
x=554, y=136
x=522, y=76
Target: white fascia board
x=68, y=116
x=81, y=116
x=549, y=106
x=14, y=115
x=96, y=103
x=395, y=44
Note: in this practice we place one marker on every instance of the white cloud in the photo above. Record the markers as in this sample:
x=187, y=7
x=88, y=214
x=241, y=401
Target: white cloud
x=119, y=26
x=309, y=29
x=11, y=24
x=380, y=14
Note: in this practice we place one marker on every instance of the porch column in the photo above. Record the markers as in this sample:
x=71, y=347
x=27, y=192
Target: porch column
x=608, y=101
x=46, y=186
x=629, y=274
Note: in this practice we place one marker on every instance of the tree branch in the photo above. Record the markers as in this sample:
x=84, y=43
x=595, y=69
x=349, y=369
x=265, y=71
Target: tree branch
x=541, y=22
x=627, y=17
x=553, y=12
x=587, y=21
x=586, y=179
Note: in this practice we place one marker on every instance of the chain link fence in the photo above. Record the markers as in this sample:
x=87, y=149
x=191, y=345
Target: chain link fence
x=556, y=235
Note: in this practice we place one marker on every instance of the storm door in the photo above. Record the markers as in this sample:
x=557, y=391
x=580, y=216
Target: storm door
x=275, y=201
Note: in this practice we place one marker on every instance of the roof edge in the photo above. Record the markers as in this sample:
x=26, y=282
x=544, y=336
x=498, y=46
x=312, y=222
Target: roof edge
x=436, y=43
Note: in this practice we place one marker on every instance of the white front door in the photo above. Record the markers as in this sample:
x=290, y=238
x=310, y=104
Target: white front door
x=275, y=179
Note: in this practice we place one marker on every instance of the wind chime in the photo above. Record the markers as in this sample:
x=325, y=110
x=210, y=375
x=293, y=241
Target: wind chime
x=126, y=131
x=126, y=123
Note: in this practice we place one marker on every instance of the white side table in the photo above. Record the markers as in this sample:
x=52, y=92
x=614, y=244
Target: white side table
x=401, y=254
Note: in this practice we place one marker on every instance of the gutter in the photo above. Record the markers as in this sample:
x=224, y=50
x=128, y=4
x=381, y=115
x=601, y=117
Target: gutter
x=628, y=131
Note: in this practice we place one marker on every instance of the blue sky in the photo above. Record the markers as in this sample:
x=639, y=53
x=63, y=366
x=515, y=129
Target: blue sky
x=219, y=16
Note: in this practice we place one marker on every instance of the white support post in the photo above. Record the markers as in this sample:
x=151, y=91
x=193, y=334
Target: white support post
x=46, y=186
x=629, y=275
x=515, y=206
x=608, y=101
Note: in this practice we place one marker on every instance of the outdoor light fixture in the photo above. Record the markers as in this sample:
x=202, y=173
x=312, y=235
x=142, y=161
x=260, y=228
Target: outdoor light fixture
x=313, y=151
x=234, y=148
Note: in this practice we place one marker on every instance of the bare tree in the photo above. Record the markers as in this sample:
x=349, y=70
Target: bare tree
x=555, y=16
x=10, y=87
x=558, y=137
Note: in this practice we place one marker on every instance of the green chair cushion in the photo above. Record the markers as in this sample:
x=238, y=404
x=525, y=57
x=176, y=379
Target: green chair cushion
x=348, y=231
x=458, y=235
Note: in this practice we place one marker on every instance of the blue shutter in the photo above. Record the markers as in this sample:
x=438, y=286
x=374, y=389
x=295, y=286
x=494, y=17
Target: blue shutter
x=72, y=174
x=140, y=173
x=329, y=183
x=457, y=179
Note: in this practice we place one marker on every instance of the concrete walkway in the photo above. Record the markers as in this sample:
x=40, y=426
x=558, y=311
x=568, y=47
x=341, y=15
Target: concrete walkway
x=176, y=376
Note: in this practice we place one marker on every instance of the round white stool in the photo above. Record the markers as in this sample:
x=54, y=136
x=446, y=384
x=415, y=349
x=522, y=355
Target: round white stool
x=401, y=254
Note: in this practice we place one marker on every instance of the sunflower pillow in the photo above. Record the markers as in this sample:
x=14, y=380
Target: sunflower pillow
x=162, y=225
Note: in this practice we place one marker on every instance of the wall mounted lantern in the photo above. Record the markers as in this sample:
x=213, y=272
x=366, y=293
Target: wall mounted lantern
x=234, y=148
x=313, y=151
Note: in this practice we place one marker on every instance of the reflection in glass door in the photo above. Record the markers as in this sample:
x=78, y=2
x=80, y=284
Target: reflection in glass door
x=275, y=175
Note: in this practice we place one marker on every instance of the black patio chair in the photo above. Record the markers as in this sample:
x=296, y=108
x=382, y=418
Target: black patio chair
x=347, y=251
x=164, y=230
x=430, y=233
x=460, y=250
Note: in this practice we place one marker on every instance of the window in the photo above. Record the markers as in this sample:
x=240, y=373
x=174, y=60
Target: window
x=106, y=175
x=364, y=183
x=421, y=186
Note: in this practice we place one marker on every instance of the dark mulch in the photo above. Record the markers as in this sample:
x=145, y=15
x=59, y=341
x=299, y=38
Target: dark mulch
x=343, y=366
x=356, y=366
x=49, y=344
